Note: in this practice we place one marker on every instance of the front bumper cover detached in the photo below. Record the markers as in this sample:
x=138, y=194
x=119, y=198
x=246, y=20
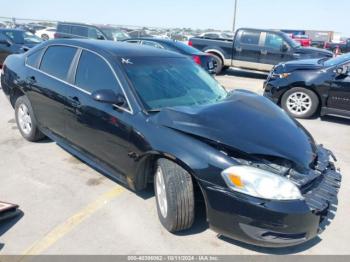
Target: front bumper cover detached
x=272, y=223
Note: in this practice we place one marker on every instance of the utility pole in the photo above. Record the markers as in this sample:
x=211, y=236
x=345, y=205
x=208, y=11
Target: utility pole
x=234, y=17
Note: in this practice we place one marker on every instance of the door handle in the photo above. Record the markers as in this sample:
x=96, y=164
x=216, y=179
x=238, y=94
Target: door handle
x=75, y=102
x=239, y=49
x=263, y=52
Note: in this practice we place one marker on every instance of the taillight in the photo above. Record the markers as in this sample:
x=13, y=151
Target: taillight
x=326, y=45
x=197, y=59
x=190, y=43
x=55, y=35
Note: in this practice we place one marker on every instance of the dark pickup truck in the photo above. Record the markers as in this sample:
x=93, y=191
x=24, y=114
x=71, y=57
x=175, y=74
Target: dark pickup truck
x=256, y=49
x=343, y=47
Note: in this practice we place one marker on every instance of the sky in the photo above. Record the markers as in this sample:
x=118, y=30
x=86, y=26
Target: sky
x=202, y=14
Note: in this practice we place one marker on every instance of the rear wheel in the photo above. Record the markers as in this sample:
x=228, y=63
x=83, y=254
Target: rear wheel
x=219, y=63
x=174, y=196
x=26, y=121
x=300, y=102
x=45, y=37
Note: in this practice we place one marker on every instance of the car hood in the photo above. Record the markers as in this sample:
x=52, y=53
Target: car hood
x=245, y=122
x=317, y=52
x=307, y=64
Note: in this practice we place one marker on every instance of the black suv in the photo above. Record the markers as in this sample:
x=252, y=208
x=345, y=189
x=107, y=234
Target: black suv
x=103, y=32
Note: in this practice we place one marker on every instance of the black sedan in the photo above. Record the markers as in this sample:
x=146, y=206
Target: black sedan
x=306, y=87
x=143, y=115
x=14, y=41
x=205, y=60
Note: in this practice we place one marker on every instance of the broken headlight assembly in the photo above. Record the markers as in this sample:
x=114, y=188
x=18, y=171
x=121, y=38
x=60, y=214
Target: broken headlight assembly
x=260, y=183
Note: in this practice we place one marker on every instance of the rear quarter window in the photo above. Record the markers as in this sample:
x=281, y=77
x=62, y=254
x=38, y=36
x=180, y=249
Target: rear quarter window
x=57, y=60
x=33, y=59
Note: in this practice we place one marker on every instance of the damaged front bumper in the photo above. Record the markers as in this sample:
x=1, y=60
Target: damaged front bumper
x=273, y=223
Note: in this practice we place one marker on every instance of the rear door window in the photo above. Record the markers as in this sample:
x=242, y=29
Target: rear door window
x=80, y=31
x=93, y=73
x=250, y=38
x=63, y=29
x=57, y=60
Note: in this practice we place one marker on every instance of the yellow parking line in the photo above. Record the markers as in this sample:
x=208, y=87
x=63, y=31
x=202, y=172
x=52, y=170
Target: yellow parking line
x=61, y=230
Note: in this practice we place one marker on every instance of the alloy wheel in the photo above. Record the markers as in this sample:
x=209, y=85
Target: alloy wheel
x=161, y=193
x=24, y=119
x=299, y=103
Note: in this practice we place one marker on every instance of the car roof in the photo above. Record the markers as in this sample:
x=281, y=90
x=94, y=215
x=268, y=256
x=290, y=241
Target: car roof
x=262, y=30
x=87, y=25
x=114, y=48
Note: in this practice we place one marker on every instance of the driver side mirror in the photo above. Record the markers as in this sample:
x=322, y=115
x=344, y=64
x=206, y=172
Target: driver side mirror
x=284, y=47
x=109, y=97
x=100, y=37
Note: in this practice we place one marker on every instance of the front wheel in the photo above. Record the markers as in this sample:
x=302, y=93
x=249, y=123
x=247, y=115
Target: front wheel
x=174, y=196
x=300, y=102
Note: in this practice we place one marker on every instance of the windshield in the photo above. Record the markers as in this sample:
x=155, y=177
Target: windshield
x=337, y=60
x=170, y=82
x=115, y=34
x=22, y=37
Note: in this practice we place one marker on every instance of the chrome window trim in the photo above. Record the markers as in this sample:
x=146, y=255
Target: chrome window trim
x=130, y=110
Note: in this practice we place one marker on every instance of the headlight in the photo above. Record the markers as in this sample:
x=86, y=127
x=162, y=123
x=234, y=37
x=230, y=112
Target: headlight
x=260, y=183
x=281, y=76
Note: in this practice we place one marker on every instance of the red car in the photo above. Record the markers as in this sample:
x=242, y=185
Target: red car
x=304, y=40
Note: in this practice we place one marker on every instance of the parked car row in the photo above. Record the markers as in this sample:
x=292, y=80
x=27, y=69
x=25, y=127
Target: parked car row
x=146, y=115
x=14, y=41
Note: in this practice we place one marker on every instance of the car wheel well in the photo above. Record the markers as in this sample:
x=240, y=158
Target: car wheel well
x=16, y=93
x=216, y=54
x=146, y=171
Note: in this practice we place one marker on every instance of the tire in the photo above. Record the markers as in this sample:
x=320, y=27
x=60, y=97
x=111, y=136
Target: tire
x=26, y=121
x=45, y=37
x=219, y=63
x=179, y=196
x=300, y=102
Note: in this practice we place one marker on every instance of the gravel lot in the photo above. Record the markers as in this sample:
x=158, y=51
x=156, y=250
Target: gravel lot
x=69, y=208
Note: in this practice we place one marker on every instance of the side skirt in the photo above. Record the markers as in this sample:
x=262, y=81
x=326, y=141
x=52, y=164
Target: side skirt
x=334, y=111
x=88, y=159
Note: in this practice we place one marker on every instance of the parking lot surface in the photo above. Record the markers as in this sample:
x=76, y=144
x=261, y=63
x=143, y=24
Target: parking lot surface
x=69, y=208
